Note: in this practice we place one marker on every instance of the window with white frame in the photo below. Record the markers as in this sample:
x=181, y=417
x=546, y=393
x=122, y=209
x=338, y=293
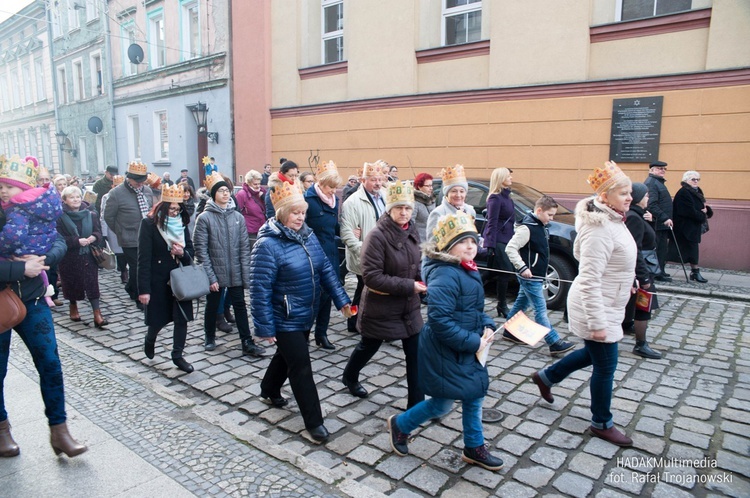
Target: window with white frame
x=128, y=38
x=4, y=93
x=462, y=21
x=15, y=88
x=91, y=10
x=62, y=85
x=639, y=9
x=162, y=133
x=97, y=83
x=41, y=92
x=56, y=31
x=191, y=29
x=79, y=92
x=74, y=21
x=157, y=39
x=28, y=97
x=333, y=31
x=134, y=136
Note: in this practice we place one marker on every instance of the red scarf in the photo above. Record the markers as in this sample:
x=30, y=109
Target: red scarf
x=469, y=265
x=284, y=178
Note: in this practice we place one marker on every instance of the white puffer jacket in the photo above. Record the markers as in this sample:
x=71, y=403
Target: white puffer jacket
x=607, y=254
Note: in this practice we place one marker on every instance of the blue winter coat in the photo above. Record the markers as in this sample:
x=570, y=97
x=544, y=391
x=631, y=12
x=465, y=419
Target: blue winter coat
x=324, y=222
x=287, y=270
x=448, y=367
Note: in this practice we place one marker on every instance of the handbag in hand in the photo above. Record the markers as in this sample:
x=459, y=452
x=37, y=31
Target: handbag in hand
x=189, y=282
x=104, y=256
x=12, y=310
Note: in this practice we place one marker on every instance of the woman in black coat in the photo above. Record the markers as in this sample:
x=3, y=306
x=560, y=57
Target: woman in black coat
x=690, y=213
x=163, y=239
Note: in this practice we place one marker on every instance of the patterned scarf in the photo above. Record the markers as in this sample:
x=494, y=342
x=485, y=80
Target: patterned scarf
x=142, y=204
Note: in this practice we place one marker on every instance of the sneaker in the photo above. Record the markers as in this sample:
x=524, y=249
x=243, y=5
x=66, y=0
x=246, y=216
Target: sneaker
x=510, y=337
x=249, y=348
x=560, y=347
x=399, y=440
x=482, y=457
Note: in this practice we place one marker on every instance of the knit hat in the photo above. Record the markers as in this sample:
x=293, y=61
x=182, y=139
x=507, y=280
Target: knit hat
x=453, y=176
x=639, y=191
x=453, y=228
x=137, y=171
x=214, y=182
x=399, y=194
x=605, y=178
x=19, y=172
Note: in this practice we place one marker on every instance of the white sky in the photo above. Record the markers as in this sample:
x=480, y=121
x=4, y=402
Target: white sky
x=10, y=7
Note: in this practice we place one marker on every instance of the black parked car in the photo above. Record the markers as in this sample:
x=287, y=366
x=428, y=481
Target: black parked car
x=562, y=263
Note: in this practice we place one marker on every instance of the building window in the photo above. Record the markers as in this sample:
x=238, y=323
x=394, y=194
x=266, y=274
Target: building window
x=56, y=31
x=639, y=9
x=73, y=19
x=97, y=83
x=91, y=10
x=62, y=85
x=33, y=145
x=333, y=31
x=4, y=94
x=134, y=137
x=82, y=154
x=79, y=92
x=156, y=40
x=128, y=38
x=462, y=21
x=28, y=97
x=15, y=88
x=100, y=152
x=41, y=93
x=191, y=30
x=162, y=133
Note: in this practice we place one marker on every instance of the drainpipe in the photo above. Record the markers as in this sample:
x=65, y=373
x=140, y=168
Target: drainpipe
x=50, y=45
x=111, y=89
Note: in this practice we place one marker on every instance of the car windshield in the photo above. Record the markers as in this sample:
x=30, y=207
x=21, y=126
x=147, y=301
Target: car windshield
x=527, y=196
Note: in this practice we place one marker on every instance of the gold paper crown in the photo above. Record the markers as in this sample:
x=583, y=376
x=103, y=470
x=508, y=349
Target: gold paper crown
x=137, y=168
x=325, y=170
x=172, y=193
x=117, y=180
x=453, y=174
x=153, y=180
x=286, y=194
x=605, y=178
x=398, y=194
x=450, y=227
x=213, y=179
x=372, y=169
x=206, y=160
x=19, y=172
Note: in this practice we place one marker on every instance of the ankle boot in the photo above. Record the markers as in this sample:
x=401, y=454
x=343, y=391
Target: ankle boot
x=222, y=324
x=99, y=321
x=149, y=346
x=8, y=447
x=228, y=316
x=74, y=312
x=695, y=274
x=63, y=442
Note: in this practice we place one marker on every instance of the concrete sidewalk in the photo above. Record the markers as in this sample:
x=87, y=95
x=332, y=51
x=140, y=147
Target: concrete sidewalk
x=724, y=284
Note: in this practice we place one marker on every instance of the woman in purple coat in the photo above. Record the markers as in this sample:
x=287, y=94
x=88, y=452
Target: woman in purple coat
x=78, y=270
x=501, y=216
x=251, y=204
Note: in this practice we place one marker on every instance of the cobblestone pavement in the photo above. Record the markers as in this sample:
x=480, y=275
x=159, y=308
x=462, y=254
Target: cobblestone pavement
x=692, y=405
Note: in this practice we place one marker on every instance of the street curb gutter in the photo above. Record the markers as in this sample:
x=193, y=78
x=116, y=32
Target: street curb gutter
x=346, y=485
x=732, y=296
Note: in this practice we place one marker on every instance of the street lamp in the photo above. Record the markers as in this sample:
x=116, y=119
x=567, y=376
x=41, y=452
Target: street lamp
x=200, y=115
x=61, y=139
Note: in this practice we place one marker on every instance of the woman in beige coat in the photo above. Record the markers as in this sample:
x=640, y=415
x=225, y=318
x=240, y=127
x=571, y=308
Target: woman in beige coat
x=596, y=303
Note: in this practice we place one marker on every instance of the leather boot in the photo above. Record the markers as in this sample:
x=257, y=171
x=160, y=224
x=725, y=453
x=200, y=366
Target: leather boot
x=99, y=321
x=8, y=447
x=124, y=276
x=228, y=316
x=63, y=442
x=74, y=315
x=695, y=274
x=222, y=324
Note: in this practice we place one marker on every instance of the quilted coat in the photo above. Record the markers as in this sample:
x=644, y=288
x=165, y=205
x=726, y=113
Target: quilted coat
x=222, y=245
x=288, y=269
x=448, y=367
x=607, y=255
x=30, y=226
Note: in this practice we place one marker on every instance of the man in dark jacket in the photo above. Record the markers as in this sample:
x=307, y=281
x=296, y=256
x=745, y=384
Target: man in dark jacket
x=103, y=186
x=660, y=206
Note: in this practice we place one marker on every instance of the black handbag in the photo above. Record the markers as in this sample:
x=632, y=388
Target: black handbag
x=652, y=261
x=189, y=282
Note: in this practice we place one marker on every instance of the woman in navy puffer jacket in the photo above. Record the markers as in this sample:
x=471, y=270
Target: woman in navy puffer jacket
x=288, y=269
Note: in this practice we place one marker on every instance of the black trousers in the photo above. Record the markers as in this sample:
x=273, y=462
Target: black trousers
x=662, y=247
x=237, y=296
x=131, y=256
x=367, y=348
x=324, y=315
x=351, y=322
x=292, y=361
x=178, y=339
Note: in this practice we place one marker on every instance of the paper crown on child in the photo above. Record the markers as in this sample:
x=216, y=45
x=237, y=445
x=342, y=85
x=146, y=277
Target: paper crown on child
x=286, y=194
x=19, y=172
x=452, y=228
x=372, y=169
x=605, y=178
x=453, y=176
x=153, y=180
x=172, y=193
x=214, y=182
x=137, y=170
x=117, y=180
x=399, y=194
x=327, y=171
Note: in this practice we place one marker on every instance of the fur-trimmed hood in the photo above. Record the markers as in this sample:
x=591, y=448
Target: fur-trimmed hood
x=429, y=250
x=590, y=211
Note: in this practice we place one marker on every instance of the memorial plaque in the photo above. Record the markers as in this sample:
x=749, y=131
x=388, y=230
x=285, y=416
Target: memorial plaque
x=636, y=130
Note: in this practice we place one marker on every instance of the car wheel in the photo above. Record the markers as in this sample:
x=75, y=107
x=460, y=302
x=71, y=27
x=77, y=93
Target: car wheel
x=559, y=273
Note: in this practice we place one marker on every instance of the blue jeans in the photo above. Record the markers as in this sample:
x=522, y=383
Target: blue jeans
x=603, y=356
x=437, y=407
x=532, y=292
x=38, y=333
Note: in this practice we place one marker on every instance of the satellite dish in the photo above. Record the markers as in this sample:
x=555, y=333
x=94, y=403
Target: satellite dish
x=95, y=125
x=135, y=53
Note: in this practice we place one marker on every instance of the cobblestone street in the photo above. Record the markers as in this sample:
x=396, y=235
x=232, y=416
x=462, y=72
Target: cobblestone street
x=692, y=405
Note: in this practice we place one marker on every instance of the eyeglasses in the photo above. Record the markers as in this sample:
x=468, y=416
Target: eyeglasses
x=175, y=209
x=695, y=179
x=223, y=190
x=427, y=186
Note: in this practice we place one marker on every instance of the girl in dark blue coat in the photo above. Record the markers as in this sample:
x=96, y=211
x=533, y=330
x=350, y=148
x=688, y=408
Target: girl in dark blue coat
x=457, y=328
x=288, y=267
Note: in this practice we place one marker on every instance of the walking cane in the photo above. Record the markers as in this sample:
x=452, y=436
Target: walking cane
x=682, y=262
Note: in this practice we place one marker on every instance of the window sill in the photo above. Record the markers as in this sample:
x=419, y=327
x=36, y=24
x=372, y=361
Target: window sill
x=324, y=70
x=162, y=163
x=695, y=19
x=453, y=52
